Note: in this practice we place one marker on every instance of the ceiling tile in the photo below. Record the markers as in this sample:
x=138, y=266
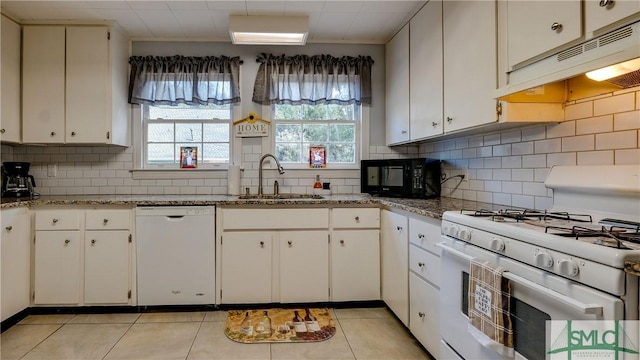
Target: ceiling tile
x=148, y=5
x=265, y=7
x=195, y=23
x=345, y=6
x=187, y=5
x=227, y=5
x=393, y=6
x=109, y=5
x=304, y=7
x=162, y=23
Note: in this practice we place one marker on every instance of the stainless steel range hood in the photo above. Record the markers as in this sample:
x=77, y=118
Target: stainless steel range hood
x=566, y=69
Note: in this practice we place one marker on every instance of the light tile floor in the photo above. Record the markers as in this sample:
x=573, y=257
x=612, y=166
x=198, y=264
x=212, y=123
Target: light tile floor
x=362, y=334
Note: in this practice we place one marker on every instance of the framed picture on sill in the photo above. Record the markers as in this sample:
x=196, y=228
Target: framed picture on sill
x=317, y=157
x=188, y=157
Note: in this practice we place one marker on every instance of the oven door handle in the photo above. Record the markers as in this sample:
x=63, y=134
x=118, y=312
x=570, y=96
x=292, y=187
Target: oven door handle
x=594, y=309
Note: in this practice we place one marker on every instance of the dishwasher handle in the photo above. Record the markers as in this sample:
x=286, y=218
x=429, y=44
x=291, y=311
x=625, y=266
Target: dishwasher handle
x=174, y=216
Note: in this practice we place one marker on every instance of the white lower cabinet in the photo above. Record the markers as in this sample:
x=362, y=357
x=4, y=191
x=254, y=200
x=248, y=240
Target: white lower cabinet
x=304, y=266
x=395, y=263
x=82, y=257
x=355, y=265
x=15, y=257
x=424, y=320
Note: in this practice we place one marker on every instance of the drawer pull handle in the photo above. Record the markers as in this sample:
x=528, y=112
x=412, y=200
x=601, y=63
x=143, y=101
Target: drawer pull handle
x=421, y=314
x=556, y=27
x=342, y=242
x=8, y=228
x=357, y=218
x=105, y=221
x=420, y=264
x=67, y=241
x=420, y=236
x=93, y=241
x=55, y=221
x=261, y=244
x=290, y=243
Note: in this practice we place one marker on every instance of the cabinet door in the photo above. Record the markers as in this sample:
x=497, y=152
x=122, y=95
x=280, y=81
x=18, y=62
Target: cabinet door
x=395, y=264
x=43, y=96
x=10, y=64
x=57, y=267
x=397, y=87
x=87, y=84
x=15, y=261
x=304, y=266
x=531, y=30
x=246, y=267
x=424, y=320
x=599, y=14
x=355, y=265
x=470, y=70
x=106, y=267
x=425, y=64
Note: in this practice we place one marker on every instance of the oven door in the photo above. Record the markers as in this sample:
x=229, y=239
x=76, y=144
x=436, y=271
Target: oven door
x=535, y=298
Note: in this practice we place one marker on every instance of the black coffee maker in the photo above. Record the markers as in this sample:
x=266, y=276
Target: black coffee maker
x=16, y=181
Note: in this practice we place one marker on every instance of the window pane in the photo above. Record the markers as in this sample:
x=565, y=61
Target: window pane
x=340, y=112
x=160, y=133
x=289, y=152
x=160, y=154
x=184, y=111
x=316, y=133
x=288, y=132
x=188, y=132
x=287, y=112
x=314, y=112
x=342, y=133
x=216, y=132
x=215, y=153
x=341, y=153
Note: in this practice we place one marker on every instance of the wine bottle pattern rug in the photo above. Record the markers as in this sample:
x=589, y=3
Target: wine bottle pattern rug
x=279, y=325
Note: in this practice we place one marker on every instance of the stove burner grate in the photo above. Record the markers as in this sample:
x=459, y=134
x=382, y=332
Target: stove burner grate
x=613, y=236
x=528, y=214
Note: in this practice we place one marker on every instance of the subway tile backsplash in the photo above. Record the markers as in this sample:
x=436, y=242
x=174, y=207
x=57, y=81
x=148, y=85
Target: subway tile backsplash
x=510, y=167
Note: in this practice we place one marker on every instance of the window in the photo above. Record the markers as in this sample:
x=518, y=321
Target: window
x=298, y=127
x=167, y=128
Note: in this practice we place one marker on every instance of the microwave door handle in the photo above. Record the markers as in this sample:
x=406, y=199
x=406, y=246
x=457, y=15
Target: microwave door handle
x=594, y=309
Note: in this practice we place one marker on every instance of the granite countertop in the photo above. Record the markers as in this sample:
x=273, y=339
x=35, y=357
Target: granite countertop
x=433, y=208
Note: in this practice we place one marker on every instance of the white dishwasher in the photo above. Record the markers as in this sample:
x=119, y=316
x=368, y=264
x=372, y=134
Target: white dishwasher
x=175, y=255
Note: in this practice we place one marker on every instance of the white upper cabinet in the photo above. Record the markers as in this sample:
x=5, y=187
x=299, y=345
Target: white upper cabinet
x=425, y=67
x=10, y=92
x=470, y=64
x=537, y=27
x=74, y=85
x=397, y=87
x=600, y=14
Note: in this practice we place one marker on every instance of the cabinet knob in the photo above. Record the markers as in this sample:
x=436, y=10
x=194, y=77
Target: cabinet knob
x=93, y=241
x=556, y=27
x=605, y=3
x=261, y=244
x=399, y=228
x=449, y=119
x=421, y=314
x=2, y=131
x=67, y=241
x=357, y=218
x=403, y=131
x=342, y=242
x=434, y=124
x=73, y=133
x=55, y=221
x=420, y=236
x=290, y=243
x=420, y=264
x=105, y=221
x=53, y=133
x=8, y=228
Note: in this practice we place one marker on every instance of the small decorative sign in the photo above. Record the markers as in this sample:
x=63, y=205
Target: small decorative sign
x=317, y=157
x=251, y=126
x=188, y=157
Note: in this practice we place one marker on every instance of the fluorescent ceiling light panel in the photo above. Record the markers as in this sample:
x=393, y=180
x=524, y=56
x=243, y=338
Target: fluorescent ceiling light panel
x=268, y=30
x=614, y=70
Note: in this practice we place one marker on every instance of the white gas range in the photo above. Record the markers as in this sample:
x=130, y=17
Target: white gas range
x=577, y=261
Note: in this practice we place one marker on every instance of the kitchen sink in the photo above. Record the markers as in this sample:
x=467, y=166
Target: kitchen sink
x=279, y=196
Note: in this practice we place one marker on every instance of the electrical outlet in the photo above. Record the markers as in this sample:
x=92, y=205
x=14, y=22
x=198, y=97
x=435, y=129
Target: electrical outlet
x=52, y=170
x=465, y=172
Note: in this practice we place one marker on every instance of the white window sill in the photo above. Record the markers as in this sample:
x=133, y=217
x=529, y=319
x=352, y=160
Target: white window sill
x=154, y=174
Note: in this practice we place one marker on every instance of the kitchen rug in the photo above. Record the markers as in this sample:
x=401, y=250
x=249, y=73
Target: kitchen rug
x=279, y=325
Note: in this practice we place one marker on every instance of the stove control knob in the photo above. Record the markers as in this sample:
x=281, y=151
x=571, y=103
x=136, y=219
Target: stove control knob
x=465, y=234
x=543, y=259
x=496, y=244
x=453, y=231
x=568, y=267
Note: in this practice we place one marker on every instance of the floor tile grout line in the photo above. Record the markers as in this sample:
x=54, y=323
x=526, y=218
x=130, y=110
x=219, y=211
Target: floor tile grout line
x=45, y=339
x=118, y=341
x=344, y=334
x=194, y=339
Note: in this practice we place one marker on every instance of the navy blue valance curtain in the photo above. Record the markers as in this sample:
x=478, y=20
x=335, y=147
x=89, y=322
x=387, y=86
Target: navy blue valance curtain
x=319, y=79
x=171, y=80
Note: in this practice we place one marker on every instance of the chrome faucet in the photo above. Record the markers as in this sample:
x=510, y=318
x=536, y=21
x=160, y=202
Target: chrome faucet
x=280, y=170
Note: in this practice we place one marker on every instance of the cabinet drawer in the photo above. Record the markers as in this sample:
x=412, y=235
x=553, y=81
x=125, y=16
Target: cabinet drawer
x=243, y=219
x=58, y=219
x=425, y=234
x=424, y=316
x=108, y=220
x=424, y=264
x=355, y=218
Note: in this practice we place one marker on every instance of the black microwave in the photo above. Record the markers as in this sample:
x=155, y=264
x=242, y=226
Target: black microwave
x=408, y=178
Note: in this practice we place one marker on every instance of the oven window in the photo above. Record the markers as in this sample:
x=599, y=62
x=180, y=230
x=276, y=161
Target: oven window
x=528, y=324
x=392, y=175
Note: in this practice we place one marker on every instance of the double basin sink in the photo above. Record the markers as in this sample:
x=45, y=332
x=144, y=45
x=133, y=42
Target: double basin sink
x=279, y=196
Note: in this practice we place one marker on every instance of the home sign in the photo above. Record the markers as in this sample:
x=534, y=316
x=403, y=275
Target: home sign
x=251, y=126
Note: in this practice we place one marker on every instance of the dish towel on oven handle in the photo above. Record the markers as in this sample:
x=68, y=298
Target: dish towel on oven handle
x=490, y=307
